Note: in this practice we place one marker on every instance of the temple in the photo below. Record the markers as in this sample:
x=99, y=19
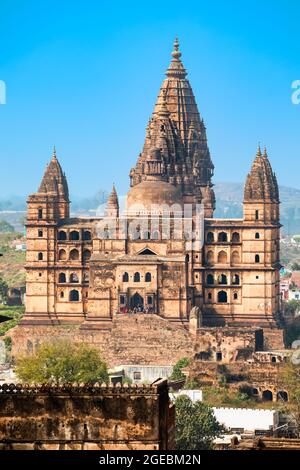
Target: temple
x=164, y=253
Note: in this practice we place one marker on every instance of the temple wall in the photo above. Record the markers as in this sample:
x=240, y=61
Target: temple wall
x=86, y=417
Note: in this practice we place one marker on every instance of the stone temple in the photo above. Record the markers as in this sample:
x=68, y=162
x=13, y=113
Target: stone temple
x=155, y=254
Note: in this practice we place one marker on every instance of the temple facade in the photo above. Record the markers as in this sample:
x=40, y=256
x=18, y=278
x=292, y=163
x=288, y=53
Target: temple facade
x=164, y=252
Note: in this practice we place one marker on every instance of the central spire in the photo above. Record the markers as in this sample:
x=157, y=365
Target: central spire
x=178, y=132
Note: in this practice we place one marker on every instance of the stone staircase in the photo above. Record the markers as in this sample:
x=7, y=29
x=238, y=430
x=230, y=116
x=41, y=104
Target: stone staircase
x=144, y=339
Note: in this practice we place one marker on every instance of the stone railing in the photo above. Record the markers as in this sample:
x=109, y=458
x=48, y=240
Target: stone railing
x=82, y=389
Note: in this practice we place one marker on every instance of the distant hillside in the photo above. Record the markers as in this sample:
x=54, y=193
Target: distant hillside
x=229, y=205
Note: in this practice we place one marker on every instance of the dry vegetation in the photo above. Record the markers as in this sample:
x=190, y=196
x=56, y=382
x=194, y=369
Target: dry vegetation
x=12, y=262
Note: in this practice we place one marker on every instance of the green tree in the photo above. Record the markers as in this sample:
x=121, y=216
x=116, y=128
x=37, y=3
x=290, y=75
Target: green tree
x=295, y=266
x=292, y=306
x=62, y=362
x=196, y=425
x=290, y=376
x=176, y=372
x=292, y=331
x=127, y=380
x=3, y=290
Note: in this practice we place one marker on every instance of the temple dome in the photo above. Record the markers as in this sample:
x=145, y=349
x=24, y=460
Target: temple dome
x=261, y=183
x=143, y=197
x=54, y=180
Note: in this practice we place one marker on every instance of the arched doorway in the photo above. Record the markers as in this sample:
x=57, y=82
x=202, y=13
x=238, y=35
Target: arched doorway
x=267, y=395
x=222, y=297
x=282, y=396
x=136, y=301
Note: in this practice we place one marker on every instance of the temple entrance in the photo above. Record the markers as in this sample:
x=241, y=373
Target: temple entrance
x=137, y=301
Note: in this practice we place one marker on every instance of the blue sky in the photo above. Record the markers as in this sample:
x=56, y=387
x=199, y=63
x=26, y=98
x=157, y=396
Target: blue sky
x=85, y=75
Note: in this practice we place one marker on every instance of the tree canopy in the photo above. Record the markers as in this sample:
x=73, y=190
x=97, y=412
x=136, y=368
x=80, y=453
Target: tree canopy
x=291, y=378
x=3, y=290
x=176, y=372
x=62, y=362
x=196, y=425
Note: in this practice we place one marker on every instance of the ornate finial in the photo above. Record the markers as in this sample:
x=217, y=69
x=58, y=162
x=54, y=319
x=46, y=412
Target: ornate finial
x=265, y=153
x=176, y=53
x=176, y=68
x=54, y=152
x=258, y=150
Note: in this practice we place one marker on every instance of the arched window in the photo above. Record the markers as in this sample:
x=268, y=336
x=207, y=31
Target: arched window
x=74, y=235
x=222, y=257
x=257, y=235
x=125, y=277
x=62, y=294
x=209, y=296
x=137, y=233
x=210, y=279
x=40, y=213
x=62, y=255
x=62, y=235
x=235, y=296
x=147, y=235
x=40, y=256
x=222, y=297
x=106, y=233
x=257, y=259
x=87, y=235
x=236, y=279
x=267, y=395
x=74, y=277
x=235, y=257
x=136, y=277
x=155, y=235
x=210, y=257
x=86, y=256
x=62, y=278
x=235, y=237
x=148, y=277
x=74, y=296
x=256, y=214
x=210, y=237
x=282, y=396
x=222, y=279
x=222, y=237
x=74, y=255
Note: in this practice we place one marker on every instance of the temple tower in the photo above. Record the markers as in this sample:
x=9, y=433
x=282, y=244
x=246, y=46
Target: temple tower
x=45, y=210
x=261, y=241
x=177, y=129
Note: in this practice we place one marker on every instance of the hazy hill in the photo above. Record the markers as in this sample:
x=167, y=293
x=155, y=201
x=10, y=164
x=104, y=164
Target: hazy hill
x=229, y=204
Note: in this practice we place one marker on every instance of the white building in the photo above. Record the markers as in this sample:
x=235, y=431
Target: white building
x=247, y=420
x=140, y=373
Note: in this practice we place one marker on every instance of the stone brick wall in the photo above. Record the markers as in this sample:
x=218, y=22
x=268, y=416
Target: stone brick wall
x=138, y=339
x=86, y=417
x=227, y=344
